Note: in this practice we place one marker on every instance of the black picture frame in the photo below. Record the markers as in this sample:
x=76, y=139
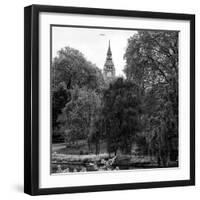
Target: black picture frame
x=31, y=99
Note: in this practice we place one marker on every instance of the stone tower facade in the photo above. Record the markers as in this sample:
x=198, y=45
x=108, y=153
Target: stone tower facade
x=109, y=68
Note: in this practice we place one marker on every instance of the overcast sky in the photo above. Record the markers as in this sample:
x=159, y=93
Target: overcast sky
x=93, y=43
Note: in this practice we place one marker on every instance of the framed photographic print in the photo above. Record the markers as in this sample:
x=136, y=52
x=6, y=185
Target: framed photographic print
x=109, y=100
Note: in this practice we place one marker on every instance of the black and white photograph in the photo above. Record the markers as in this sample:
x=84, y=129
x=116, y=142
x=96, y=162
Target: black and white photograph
x=114, y=99
x=109, y=99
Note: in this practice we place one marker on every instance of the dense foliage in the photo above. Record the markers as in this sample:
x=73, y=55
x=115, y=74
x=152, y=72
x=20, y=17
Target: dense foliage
x=79, y=114
x=71, y=65
x=60, y=97
x=70, y=71
x=152, y=64
x=121, y=115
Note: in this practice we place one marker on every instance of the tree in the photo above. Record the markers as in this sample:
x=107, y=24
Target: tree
x=152, y=64
x=60, y=96
x=162, y=123
x=78, y=115
x=70, y=70
x=96, y=129
x=70, y=64
x=121, y=110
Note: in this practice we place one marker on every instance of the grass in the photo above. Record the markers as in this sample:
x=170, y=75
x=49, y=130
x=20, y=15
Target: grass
x=79, y=158
x=80, y=148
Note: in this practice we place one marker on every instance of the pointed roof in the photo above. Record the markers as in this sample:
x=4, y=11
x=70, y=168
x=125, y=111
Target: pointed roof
x=109, y=65
x=109, y=53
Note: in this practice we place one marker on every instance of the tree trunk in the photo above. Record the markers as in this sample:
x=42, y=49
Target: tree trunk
x=89, y=146
x=97, y=145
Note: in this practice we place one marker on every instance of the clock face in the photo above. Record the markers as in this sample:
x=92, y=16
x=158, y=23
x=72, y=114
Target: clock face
x=109, y=74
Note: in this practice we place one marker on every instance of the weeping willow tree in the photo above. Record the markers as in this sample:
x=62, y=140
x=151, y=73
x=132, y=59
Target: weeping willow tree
x=152, y=64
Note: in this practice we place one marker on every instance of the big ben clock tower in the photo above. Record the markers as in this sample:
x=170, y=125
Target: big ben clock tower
x=109, y=68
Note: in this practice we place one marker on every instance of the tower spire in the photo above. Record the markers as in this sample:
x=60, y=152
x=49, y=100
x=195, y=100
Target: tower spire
x=109, y=53
x=109, y=68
